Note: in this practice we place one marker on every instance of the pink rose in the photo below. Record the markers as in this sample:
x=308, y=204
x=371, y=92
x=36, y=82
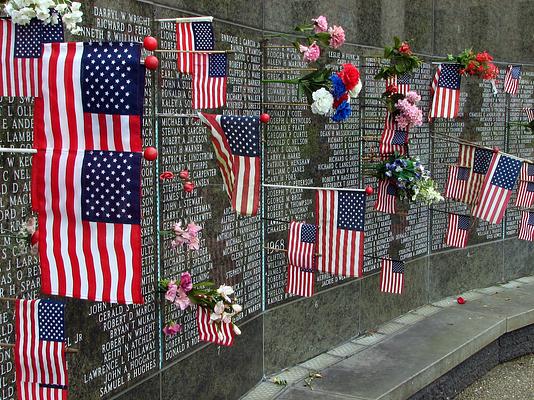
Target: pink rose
x=337, y=36
x=172, y=329
x=320, y=24
x=186, y=283
x=311, y=53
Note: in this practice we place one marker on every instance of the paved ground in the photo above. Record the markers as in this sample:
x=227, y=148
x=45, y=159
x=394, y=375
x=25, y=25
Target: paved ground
x=512, y=380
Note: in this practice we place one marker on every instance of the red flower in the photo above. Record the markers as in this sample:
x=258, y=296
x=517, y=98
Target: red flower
x=405, y=48
x=167, y=175
x=392, y=89
x=483, y=57
x=343, y=98
x=350, y=76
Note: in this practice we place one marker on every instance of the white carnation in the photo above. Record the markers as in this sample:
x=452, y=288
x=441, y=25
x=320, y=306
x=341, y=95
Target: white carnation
x=322, y=103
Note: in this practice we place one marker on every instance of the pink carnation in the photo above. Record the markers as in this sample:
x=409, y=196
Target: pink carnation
x=311, y=53
x=413, y=97
x=320, y=24
x=410, y=115
x=172, y=329
x=182, y=300
x=337, y=36
x=186, y=283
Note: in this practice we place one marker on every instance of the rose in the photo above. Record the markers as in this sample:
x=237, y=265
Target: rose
x=311, y=53
x=323, y=101
x=320, y=24
x=484, y=57
x=337, y=36
x=350, y=76
x=405, y=48
x=392, y=89
x=167, y=175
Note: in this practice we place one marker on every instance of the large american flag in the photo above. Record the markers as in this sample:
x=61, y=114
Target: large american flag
x=527, y=172
x=386, y=197
x=301, y=249
x=86, y=173
x=236, y=142
x=446, y=92
x=525, y=194
x=511, y=79
x=466, y=155
x=300, y=281
x=526, y=226
x=209, y=80
x=192, y=36
x=221, y=333
x=393, y=139
x=39, y=346
x=497, y=188
x=481, y=163
x=392, y=276
x=457, y=182
x=402, y=82
x=341, y=221
x=457, y=230
x=21, y=51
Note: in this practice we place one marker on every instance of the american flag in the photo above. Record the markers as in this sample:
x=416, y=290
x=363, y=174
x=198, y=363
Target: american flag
x=526, y=226
x=402, y=83
x=300, y=281
x=446, y=92
x=341, y=220
x=39, y=345
x=386, y=197
x=392, y=276
x=236, y=142
x=209, y=80
x=511, y=79
x=457, y=230
x=525, y=194
x=39, y=391
x=481, y=163
x=527, y=172
x=21, y=51
x=87, y=170
x=192, y=36
x=221, y=334
x=393, y=139
x=466, y=154
x=301, y=250
x=530, y=114
x=457, y=182
x=497, y=188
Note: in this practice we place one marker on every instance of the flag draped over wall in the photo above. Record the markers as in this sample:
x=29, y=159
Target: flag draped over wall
x=87, y=170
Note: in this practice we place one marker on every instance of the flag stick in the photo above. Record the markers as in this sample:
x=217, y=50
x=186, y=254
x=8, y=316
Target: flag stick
x=186, y=19
x=194, y=51
x=17, y=150
x=288, y=69
x=282, y=250
x=311, y=188
x=12, y=346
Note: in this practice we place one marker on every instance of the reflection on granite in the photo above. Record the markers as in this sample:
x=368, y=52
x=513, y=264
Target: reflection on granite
x=518, y=258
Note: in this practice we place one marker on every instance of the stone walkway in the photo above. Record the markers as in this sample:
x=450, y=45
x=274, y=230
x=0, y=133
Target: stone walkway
x=511, y=380
x=410, y=352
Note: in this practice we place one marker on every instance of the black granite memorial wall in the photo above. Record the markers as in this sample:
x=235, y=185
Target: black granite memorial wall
x=123, y=354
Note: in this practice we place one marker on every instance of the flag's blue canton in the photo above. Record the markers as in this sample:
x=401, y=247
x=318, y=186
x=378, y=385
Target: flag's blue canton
x=217, y=65
x=243, y=135
x=397, y=267
x=112, y=79
x=531, y=218
x=506, y=173
x=482, y=160
x=399, y=137
x=463, y=222
x=391, y=189
x=404, y=79
x=203, y=33
x=28, y=38
x=530, y=187
x=463, y=174
x=351, y=210
x=450, y=76
x=516, y=71
x=111, y=185
x=308, y=233
x=51, y=321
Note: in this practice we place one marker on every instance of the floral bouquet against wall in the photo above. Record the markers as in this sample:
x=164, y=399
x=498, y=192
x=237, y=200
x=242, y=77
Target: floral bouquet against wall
x=475, y=64
x=402, y=60
x=412, y=181
x=47, y=11
x=184, y=236
x=402, y=108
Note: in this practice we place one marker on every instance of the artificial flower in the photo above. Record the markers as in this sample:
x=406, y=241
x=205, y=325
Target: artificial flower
x=167, y=175
x=323, y=101
x=172, y=329
x=172, y=289
x=405, y=48
x=337, y=36
x=310, y=53
x=186, y=282
x=182, y=299
x=338, y=101
x=225, y=291
x=218, y=311
x=350, y=76
x=237, y=331
x=237, y=308
x=193, y=229
x=320, y=24
x=342, y=112
x=338, y=87
x=357, y=89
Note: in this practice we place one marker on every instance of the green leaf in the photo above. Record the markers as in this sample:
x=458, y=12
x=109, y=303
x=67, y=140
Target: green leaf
x=304, y=28
x=397, y=41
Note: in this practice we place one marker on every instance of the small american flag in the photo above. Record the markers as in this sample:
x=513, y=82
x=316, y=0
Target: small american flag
x=236, y=142
x=466, y=155
x=526, y=226
x=530, y=114
x=39, y=391
x=21, y=51
x=341, y=220
x=402, y=83
x=87, y=170
x=39, y=344
x=393, y=139
x=192, y=36
x=300, y=281
x=386, y=197
x=457, y=230
x=446, y=92
x=497, y=188
x=392, y=276
x=457, y=182
x=481, y=163
x=209, y=80
x=221, y=334
x=301, y=250
x=527, y=172
x=511, y=79
x=525, y=194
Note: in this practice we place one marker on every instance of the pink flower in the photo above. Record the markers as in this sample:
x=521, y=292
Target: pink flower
x=172, y=329
x=182, y=300
x=413, y=97
x=186, y=283
x=311, y=53
x=320, y=24
x=194, y=243
x=178, y=228
x=410, y=115
x=171, y=291
x=193, y=229
x=337, y=36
